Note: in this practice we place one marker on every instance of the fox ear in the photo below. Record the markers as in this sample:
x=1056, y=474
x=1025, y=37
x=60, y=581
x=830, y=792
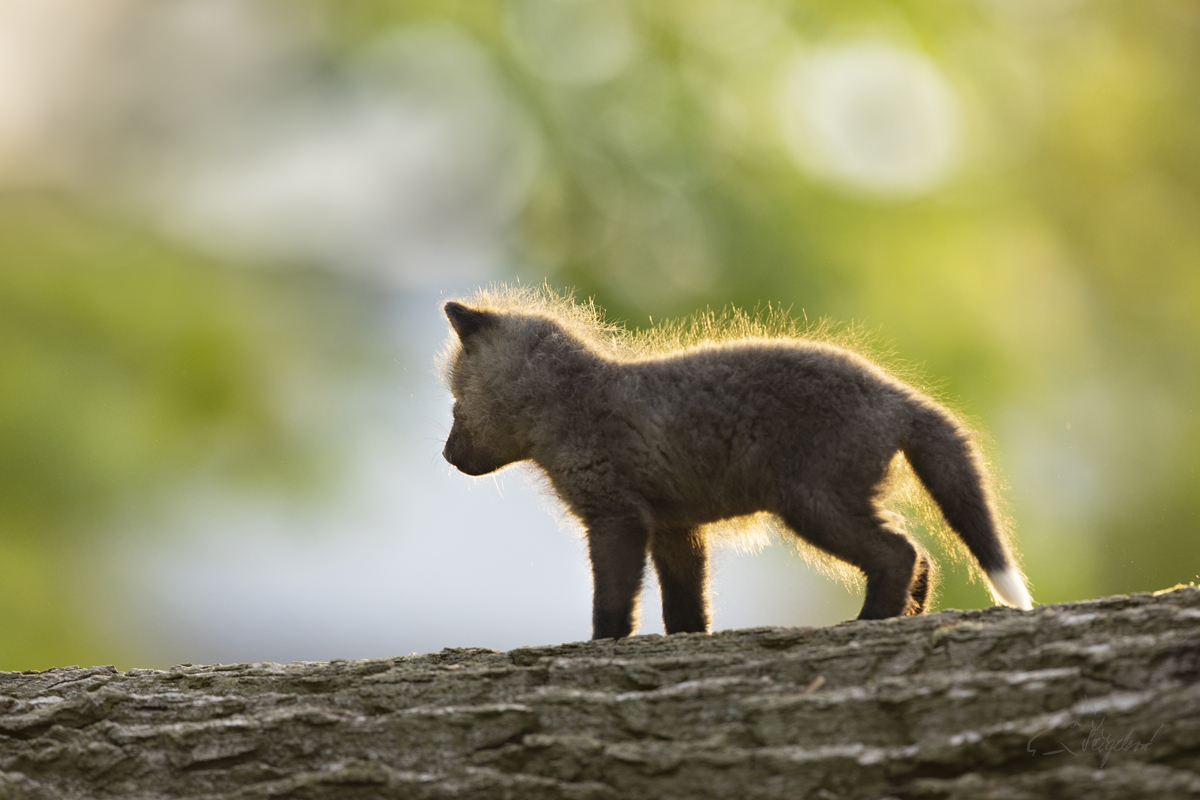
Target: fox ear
x=468, y=321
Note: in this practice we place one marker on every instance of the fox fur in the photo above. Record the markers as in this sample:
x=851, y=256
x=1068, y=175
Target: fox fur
x=647, y=449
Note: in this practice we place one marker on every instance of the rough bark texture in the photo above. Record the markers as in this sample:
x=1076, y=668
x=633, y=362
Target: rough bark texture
x=1088, y=700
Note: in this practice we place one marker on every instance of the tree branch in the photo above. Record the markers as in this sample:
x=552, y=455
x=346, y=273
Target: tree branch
x=1096, y=699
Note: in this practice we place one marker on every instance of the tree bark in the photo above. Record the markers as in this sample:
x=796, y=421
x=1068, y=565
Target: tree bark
x=1093, y=700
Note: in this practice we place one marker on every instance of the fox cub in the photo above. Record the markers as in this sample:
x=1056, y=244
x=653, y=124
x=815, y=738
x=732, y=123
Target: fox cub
x=645, y=450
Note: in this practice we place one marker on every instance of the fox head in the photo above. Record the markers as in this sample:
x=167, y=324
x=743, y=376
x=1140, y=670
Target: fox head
x=486, y=434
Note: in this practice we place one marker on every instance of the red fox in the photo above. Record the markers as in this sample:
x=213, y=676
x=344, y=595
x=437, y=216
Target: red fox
x=646, y=450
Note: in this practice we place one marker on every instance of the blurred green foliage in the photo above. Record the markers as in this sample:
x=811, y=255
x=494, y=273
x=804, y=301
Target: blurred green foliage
x=126, y=363
x=121, y=356
x=1051, y=284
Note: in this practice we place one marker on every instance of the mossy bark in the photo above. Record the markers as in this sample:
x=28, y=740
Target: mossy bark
x=1090, y=700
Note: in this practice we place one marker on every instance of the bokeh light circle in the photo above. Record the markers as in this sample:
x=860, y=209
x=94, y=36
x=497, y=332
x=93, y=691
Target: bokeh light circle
x=871, y=116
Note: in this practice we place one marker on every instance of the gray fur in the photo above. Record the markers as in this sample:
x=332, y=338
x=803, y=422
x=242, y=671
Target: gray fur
x=645, y=451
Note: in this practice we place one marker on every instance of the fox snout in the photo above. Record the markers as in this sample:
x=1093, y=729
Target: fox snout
x=461, y=452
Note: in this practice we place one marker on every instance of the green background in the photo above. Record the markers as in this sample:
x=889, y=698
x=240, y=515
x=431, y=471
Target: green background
x=1049, y=289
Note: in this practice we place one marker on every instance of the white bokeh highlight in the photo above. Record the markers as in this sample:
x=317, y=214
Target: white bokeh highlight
x=872, y=117
x=572, y=42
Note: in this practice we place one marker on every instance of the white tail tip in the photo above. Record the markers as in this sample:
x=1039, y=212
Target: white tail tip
x=1008, y=587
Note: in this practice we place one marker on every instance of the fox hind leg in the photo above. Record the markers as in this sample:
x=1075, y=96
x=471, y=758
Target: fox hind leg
x=898, y=577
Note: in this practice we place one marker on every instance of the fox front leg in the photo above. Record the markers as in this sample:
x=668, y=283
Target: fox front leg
x=617, y=547
x=680, y=557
